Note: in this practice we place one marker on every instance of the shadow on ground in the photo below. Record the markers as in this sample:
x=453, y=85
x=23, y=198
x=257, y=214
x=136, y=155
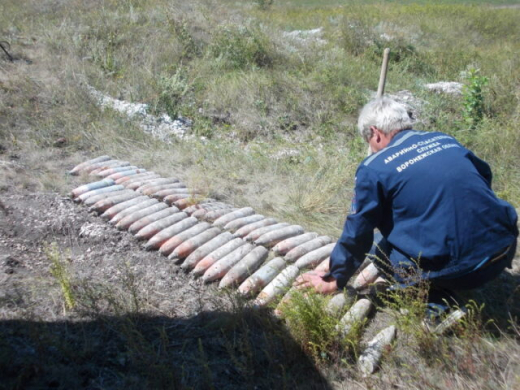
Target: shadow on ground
x=213, y=350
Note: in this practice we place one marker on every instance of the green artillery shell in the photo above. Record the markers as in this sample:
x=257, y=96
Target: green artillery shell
x=355, y=316
x=110, y=171
x=139, y=176
x=114, y=210
x=158, y=215
x=366, y=277
x=216, y=255
x=221, y=267
x=240, y=213
x=151, y=190
x=91, y=186
x=191, y=244
x=132, y=209
x=300, y=250
x=312, y=259
x=105, y=204
x=77, y=169
x=245, y=230
x=338, y=302
x=215, y=214
x=98, y=167
x=262, y=277
x=285, y=246
x=371, y=356
x=158, y=182
x=164, y=235
x=255, y=234
x=126, y=173
x=98, y=191
x=240, y=222
x=96, y=198
x=125, y=223
x=154, y=228
x=273, y=237
x=192, y=260
x=245, y=267
x=278, y=286
x=175, y=241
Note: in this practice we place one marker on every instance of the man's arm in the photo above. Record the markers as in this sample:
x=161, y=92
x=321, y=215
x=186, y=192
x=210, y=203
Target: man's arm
x=356, y=239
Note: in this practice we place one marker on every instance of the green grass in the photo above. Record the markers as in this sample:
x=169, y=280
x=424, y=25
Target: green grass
x=257, y=95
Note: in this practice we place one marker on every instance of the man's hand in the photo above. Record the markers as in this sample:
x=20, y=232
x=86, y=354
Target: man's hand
x=314, y=280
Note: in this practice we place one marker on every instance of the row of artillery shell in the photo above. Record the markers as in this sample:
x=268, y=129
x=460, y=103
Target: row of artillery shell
x=124, y=198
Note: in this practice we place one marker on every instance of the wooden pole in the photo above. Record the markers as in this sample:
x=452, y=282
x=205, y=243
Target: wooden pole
x=382, y=77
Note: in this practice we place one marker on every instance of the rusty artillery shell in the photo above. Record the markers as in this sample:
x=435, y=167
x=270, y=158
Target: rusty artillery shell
x=172, y=198
x=245, y=267
x=136, y=184
x=213, y=215
x=245, y=230
x=312, y=259
x=324, y=266
x=158, y=182
x=125, y=222
x=164, y=235
x=98, y=191
x=131, y=209
x=257, y=233
x=110, y=171
x=262, y=277
x=278, y=286
x=273, y=237
x=91, y=186
x=187, y=202
x=191, y=244
x=77, y=169
x=114, y=210
x=203, y=208
x=295, y=253
x=151, y=190
x=240, y=213
x=154, y=228
x=215, y=243
x=105, y=204
x=98, y=167
x=366, y=277
x=138, y=176
x=371, y=356
x=154, y=217
x=221, y=267
x=128, y=173
x=96, y=198
x=285, y=246
x=161, y=194
x=240, y=222
x=355, y=316
x=216, y=255
x=175, y=241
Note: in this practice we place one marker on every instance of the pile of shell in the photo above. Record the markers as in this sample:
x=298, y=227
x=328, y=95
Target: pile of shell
x=236, y=247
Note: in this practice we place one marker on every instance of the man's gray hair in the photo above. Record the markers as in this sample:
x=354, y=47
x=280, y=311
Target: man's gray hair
x=384, y=113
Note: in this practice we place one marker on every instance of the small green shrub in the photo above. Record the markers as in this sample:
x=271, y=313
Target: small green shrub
x=240, y=47
x=59, y=271
x=172, y=90
x=473, y=97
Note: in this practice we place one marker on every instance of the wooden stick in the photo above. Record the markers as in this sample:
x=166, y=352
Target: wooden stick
x=382, y=77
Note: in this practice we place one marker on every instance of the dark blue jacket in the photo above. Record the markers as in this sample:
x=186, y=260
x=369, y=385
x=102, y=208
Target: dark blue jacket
x=431, y=198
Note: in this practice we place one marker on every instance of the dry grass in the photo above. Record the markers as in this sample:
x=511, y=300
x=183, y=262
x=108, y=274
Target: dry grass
x=256, y=104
